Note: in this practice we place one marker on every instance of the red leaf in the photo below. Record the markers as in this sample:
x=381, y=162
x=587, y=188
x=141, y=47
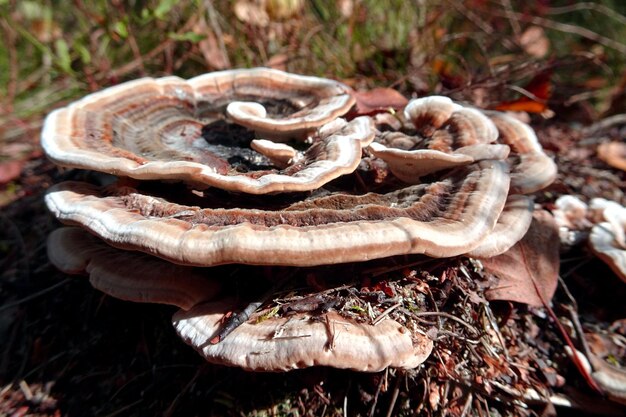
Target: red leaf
x=540, y=87
x=10, y=170
x=377, y=100
x=529, y=271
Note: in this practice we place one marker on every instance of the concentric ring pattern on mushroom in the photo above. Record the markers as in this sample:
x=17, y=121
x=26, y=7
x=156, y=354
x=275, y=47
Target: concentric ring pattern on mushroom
x=265, y=168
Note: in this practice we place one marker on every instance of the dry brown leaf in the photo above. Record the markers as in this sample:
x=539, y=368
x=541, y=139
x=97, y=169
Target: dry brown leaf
x=10, y=170
x=529, y=271
x=378, y=100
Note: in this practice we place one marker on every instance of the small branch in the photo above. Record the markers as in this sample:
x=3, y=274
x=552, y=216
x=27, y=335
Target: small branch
x=385, y=313
x=395, y=393
x=448, y=316
x=237, y=319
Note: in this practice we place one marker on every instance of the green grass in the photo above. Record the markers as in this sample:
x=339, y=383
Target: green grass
x=63, y=50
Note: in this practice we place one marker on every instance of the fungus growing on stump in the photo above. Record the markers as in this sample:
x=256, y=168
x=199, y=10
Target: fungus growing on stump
x=531, y=169
x=436, y=134
x=218, y=133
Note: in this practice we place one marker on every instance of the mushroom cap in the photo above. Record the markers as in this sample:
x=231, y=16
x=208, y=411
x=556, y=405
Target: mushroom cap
x=572, y=216
x=571, y=212
x=300, y=340
x=430, y=113
x=534, y=170
x=607, y=239
x=445, y=218
x=512, y=225
x=126, y=275
x=449, y=124
x=613, y=213
x=161, y=129
x=316, y=101
x=409, y=166
x=602, y=241
x=448, y=135
x=614, y=154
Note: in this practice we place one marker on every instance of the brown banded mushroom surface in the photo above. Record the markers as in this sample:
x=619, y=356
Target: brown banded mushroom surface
x=273, y=344
x=302, y=340
x=202, y=131
x=531, y=169
x=173, y=129
x=434, y=133
x=445, y=218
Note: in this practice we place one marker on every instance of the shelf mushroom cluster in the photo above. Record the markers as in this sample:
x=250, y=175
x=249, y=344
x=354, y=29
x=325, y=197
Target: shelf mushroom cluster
x=274, y=177
x=602, y=222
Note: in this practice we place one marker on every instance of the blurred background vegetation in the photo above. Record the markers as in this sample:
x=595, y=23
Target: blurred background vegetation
x=56, y=50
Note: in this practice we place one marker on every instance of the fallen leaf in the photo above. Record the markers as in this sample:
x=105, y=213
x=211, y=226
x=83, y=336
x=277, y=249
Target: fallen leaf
x=529, y=271
x=378, y=100
x=10, y=170
x=540, y=87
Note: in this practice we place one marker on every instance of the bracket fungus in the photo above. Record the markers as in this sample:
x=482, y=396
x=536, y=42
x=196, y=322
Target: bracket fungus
x=531, y=169
x=126, y=275
x=172, y=129
x=512, y=225
x=607, y=238
x=302, y=340
x=571, y=215
x=434, y=133
x=444, y=218
x=202, y=132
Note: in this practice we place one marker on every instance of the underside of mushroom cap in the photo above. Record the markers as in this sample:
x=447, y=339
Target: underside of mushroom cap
x=171, y=129
x=130, y=276
x=302, y=340
x=445, y=218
